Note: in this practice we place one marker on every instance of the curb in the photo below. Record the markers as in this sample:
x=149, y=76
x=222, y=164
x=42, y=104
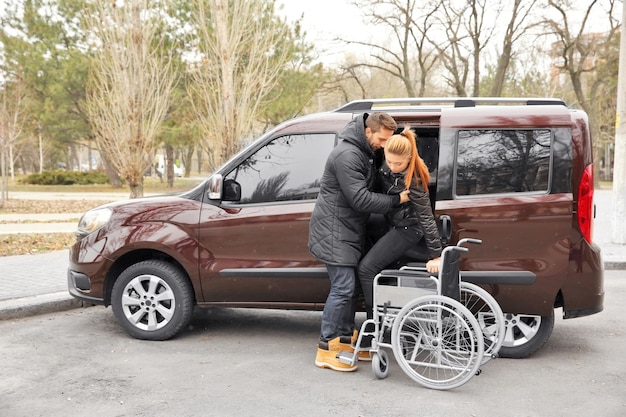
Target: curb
x=17, y=308
x=614, y=265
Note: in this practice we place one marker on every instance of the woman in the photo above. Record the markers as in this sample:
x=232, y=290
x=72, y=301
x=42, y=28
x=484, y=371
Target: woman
x=410, y=222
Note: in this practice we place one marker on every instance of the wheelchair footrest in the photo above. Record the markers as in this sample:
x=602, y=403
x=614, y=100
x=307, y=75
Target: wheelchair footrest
x=346, y=357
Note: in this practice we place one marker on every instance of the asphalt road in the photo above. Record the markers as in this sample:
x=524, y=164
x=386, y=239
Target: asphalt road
x=260, y=363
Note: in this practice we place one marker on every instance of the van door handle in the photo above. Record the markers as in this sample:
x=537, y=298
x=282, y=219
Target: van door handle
x=445, y=229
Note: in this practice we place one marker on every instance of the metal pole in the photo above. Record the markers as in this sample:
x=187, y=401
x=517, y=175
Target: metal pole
x=618, y=219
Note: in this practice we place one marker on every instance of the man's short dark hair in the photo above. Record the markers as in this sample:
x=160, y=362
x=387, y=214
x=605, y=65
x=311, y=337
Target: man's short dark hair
x=379, y=119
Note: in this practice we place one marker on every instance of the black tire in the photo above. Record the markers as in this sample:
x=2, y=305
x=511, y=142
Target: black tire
x=525, y=334
x=152, y=300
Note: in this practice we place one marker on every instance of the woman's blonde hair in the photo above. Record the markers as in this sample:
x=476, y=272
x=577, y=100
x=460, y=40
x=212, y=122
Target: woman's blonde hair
x=404, y=144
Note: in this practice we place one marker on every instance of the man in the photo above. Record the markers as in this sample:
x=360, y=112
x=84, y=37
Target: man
x=337, y=229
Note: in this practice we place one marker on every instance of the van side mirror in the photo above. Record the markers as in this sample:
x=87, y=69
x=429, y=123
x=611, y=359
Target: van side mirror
x=215, y=187
x=225, y=190
x=232, y=191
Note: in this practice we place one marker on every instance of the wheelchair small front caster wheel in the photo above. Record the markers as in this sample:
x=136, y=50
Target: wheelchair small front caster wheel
x=380, y=364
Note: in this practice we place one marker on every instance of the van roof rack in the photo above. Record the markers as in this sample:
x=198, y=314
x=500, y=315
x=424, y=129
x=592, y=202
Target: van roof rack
x=407, y=103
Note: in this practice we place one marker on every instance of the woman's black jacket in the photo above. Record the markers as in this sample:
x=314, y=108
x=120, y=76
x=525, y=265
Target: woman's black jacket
x=417, y=212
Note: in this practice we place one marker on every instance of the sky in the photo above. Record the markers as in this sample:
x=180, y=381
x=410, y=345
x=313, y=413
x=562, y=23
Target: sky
x=325, y=20
x=322, y=18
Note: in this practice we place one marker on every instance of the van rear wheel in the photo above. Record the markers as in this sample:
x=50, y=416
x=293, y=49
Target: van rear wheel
x=525, y=334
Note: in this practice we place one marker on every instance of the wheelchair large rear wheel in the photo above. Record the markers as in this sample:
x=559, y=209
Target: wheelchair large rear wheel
x=437, y=342
x=489, y=316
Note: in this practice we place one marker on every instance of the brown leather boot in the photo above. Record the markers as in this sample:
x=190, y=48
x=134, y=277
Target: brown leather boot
x=326, y=356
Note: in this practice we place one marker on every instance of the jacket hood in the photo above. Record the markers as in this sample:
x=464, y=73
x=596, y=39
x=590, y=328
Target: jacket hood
x=354, y=132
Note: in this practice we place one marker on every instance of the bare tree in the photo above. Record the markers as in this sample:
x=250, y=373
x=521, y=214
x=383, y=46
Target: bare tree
x=13, y=117
x=573, y=46
x=515, y=30
x=243, y=47
x=480, y=32
x=450, y=35
x=130, y=85
x=426, y=53
x=408, y=56
x=469, y=27
x=579, y=53
x=453, y=53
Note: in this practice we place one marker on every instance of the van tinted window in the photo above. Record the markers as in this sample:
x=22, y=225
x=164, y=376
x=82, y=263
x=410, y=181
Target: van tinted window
x=287, y=168
x=502, y=161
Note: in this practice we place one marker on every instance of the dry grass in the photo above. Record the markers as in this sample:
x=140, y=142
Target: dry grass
x=32, y=243
x=21, y=244
x=150, y=185
x=48, y=206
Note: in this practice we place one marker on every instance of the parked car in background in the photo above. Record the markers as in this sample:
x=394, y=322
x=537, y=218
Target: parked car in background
x=515, y=173
x=161, y=167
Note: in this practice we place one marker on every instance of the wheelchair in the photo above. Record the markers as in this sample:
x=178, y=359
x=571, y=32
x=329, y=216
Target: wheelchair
x=484, y=308
x=440, y=330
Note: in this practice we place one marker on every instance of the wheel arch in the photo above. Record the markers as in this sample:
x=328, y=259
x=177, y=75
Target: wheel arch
x=132, y=258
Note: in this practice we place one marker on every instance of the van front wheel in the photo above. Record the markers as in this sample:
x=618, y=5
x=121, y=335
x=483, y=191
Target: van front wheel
x=525, y=334
x=152, y=300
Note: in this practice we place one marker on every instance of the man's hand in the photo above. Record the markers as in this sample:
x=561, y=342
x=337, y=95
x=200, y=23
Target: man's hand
x=404, y=196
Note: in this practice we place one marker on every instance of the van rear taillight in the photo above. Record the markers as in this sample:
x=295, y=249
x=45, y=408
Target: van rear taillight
x=585, y=203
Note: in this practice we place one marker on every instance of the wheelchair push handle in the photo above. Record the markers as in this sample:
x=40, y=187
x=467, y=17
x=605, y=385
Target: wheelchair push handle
x=459, y=246
x=469, y=240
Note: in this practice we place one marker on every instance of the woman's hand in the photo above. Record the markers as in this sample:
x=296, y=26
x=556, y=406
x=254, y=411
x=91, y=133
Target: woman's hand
x=432, y=266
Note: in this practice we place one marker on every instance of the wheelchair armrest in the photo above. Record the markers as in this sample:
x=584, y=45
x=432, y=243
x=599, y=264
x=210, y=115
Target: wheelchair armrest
x=413, y=266
x=406, y=273
x=406, y=278
x=499, y=277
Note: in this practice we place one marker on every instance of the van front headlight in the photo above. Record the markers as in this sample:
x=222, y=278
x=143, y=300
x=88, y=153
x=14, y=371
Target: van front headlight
x=92, y=221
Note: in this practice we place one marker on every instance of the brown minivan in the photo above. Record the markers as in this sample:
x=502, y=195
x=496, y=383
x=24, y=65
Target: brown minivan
x=515, y=173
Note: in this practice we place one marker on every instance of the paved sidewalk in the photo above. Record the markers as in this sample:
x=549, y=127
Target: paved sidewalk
x=34, y=284
x=37, y=284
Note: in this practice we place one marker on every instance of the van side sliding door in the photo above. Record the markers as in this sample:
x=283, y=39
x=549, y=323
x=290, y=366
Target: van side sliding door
x=499, y=181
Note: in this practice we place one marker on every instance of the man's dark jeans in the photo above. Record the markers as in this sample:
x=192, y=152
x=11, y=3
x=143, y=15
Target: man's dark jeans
x=339, y=310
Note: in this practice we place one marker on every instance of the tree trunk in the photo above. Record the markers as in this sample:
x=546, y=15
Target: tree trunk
x=114, y=178
x=40, y=152
x=4, y=190
x=169, y=165
x=135, y=185
x=89, y=156
x=187, y=158
x=11, y=163
x=199, y=154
